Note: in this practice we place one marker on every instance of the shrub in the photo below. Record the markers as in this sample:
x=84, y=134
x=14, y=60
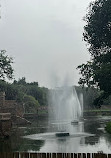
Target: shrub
x=108, y=127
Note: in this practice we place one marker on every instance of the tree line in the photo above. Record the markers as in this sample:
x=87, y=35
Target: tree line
x=29, y=94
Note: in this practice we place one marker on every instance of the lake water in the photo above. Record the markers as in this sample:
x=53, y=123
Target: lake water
x=87, y=136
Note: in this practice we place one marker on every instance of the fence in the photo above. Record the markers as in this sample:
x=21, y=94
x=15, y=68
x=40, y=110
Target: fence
x=54, y=155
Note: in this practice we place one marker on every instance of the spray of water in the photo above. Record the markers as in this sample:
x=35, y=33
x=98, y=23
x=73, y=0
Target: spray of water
x=65, y=105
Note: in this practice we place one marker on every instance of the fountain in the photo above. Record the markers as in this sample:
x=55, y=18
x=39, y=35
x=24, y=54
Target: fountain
x=65, y=125
x=65, y=106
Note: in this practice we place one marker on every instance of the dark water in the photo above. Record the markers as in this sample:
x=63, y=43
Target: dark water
x=40, y=140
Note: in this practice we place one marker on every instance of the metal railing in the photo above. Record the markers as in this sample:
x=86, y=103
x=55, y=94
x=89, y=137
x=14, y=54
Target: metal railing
x=53, y=155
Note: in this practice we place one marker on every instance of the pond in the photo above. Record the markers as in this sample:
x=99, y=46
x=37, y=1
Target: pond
x=88, y=136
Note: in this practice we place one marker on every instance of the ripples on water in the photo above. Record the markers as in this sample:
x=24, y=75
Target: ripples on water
x=88, y=136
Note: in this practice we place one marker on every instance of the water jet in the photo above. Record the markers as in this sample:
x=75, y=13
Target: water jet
x=65, y=105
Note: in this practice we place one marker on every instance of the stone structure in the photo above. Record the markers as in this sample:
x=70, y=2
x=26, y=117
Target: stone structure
x=11, y=113
x=2, y=99
x=10, y=106
x=5, y=124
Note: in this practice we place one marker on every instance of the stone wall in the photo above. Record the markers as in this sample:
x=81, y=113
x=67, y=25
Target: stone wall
x=2, y=99
x=5, y=127
x=10, y=106
x=11, y=113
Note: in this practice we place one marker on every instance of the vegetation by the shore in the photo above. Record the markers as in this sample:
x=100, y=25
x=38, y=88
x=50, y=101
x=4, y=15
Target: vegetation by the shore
x=98, y=110
x=29, y=94
x=108, y=127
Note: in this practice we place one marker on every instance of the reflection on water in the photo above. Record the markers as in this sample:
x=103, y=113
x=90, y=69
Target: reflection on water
x=80, y=142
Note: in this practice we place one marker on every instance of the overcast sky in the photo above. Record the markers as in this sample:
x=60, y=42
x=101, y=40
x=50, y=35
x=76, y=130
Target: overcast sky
x=44, y=37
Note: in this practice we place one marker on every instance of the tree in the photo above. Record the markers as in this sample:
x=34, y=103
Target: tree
x=30, y=104
x=6, y=70
x=97, y=33
x=21, y=81
x=32, y=89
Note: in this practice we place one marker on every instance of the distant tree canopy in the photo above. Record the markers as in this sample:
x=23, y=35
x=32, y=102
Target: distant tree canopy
x=97, y=34
x=22, y=81
x=6, y=70
x=29, y=94
x=32, y=89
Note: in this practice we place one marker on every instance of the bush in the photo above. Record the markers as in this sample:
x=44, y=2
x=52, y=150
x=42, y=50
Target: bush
x=30, y=104
x=108, y=127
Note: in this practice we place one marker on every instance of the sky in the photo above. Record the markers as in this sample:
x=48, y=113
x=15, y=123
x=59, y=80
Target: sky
x=44, y=38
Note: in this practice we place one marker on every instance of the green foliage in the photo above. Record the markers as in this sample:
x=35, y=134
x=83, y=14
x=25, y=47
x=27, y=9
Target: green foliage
x=6, y=70
x=108, y=127
x=97, y=33
x=21, y=81
x=87, y=74
x=10, y=91
x=39, y=93
x=30, y=104
x=28, y=94
x=97, y=72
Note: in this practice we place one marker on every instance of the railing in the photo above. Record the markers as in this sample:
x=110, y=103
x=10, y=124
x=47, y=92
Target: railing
x=54, y=155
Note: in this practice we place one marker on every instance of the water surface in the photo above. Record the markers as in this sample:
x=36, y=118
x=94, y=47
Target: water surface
x=88, y=136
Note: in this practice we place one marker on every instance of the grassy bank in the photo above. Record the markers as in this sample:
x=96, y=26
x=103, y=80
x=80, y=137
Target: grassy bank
x=97, y=110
